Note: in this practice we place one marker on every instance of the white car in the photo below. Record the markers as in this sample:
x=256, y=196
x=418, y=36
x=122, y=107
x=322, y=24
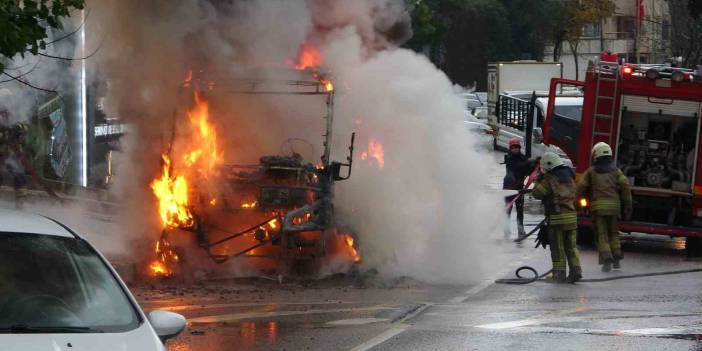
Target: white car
x=58, y=293
x=476, y=124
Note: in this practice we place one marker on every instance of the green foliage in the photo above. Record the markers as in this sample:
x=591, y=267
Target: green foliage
x=24, y=23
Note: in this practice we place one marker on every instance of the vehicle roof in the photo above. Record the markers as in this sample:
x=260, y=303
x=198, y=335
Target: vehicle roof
x=562, y=100
x=14, y=221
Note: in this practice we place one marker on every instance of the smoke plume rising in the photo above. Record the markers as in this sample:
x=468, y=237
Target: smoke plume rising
x=421, y=212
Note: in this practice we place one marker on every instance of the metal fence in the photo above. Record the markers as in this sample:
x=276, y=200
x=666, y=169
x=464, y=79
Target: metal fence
x=512, y=111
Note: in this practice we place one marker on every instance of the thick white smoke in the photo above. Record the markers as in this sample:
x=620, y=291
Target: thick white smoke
x=424, y=214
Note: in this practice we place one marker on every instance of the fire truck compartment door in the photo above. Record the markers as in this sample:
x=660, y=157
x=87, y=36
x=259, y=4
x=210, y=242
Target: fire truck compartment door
x=683, y=108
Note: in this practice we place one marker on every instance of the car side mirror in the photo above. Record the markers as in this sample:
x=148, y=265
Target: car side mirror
x=166, y=324
x=537, y=135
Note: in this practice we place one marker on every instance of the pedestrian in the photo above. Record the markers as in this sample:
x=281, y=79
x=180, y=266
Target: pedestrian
x=518, y=167
x=609, y=191
x=556, y=189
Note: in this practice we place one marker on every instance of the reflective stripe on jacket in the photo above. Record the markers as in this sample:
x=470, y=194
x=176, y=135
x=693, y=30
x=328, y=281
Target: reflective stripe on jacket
x=607, y=191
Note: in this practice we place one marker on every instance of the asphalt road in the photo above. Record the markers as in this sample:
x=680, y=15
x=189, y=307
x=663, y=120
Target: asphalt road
x=365, y=313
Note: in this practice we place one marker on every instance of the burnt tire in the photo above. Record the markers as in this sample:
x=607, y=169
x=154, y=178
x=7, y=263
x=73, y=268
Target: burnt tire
x=693, y=247
x=586, y=236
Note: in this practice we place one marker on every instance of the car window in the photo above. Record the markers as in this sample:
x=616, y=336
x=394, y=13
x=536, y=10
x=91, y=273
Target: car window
x=573, y=112
x=58, y=282
x=470, y=104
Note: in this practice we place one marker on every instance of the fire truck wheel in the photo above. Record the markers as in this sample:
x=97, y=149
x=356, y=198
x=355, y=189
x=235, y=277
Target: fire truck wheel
x=586, y=236
x=693, y=247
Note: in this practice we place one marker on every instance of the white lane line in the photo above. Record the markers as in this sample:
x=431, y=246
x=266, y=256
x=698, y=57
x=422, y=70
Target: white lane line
x=381, y=338
x=528, y=322
x=357, y=321
x=233, y=317
x=472, y=291
x=679, y=330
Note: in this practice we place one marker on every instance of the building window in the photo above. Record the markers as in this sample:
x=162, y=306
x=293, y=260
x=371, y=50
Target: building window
x=592, y=30
x=626, y=27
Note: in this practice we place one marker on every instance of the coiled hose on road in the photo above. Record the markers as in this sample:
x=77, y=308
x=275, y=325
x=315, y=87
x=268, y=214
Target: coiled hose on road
x=536, y=277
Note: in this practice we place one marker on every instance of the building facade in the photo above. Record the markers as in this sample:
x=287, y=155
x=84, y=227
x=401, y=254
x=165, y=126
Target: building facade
x=639, y=31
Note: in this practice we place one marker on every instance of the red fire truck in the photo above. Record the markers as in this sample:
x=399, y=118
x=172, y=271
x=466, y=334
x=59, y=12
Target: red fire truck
x=650, y=115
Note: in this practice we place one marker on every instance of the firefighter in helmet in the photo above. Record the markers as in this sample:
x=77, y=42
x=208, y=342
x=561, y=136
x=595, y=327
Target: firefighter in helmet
x=556, y=189
x=608, y=190
x=518, y=167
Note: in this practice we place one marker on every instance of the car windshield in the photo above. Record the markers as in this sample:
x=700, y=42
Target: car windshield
x=470, y=103
x=58, y=284
x=573, y=112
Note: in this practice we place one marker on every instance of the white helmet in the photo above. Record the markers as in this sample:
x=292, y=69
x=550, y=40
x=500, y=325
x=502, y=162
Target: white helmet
x=550, y=161
x=601, y=149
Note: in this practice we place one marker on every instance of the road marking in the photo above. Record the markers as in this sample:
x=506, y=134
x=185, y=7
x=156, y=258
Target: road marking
x=472, y=291
x=380, y=338
x=357, y=321
x=671, y=331
x=560, y=318
x=528, y=322
x=233, y=317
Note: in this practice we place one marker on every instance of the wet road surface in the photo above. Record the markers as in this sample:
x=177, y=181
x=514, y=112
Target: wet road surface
x=345, y=313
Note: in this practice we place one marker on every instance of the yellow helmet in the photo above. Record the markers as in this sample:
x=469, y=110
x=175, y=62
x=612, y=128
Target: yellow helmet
x=601, y=149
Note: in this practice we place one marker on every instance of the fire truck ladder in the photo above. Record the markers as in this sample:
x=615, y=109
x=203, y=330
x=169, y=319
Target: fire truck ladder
x=605, y=95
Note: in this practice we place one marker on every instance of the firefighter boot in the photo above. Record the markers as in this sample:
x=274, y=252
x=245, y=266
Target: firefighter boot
x=607, y=266
x=574, y=276
x=521, y=231
x=616, y=264
x=559, y=277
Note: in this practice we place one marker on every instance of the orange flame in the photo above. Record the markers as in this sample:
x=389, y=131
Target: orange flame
x=172, y=187
x=249, y=205
x=204, y=138
x=308, y=57
x=158, y=268
x=172, y=193
x=352, y=249
x=375, y=151
x=328, y=86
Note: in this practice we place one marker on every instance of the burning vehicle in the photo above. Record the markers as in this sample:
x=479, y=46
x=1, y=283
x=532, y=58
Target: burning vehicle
x=281, y=208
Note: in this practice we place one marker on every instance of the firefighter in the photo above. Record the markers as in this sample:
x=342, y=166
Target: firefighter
x=11, y=168
x=556, y=189
x=608, y=190
x=518, y=167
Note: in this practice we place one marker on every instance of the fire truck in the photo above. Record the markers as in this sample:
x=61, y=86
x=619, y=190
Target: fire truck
x=650, y=115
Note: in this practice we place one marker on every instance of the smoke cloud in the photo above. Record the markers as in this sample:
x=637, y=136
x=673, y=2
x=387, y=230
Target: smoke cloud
x=418, y=210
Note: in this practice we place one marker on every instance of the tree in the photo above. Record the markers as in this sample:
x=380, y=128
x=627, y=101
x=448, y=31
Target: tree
x=686, y=33
x=462, y=36
x=578, y=13
x=24, y=24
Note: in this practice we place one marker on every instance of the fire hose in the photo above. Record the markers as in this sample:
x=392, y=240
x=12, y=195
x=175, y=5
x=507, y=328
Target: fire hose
x=520, y=280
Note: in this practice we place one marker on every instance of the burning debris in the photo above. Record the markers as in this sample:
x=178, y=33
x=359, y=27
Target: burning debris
x=279, y=209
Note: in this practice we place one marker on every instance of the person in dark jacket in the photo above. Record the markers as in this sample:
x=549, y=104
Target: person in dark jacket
x=518, y=167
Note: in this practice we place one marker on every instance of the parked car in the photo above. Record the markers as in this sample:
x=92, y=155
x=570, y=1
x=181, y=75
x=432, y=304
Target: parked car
x=482, y=96
x=480, y=112
x=476, y=125
x=57, y=292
